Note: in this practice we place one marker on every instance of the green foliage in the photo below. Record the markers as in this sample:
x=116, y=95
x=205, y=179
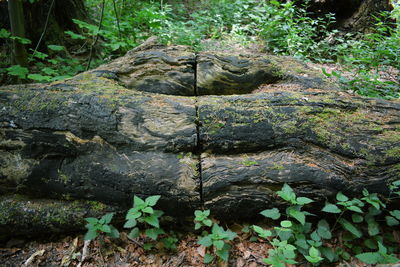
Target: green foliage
x=96, y=226
x=17, y=70
x=216, y=241
x=381, y=256
x=201, y=219
x=143, y=212
x=295, y=235
x=144, y=215
x=374, y=57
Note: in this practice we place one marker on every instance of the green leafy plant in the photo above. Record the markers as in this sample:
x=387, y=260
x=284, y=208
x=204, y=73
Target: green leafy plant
x=142, y=212
x=97, y=226
x=381, y=256
x=216, y=241
x=201, y=219
x=296, y=235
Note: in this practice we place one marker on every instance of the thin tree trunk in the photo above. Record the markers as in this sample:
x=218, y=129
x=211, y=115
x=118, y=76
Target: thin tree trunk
x=15, y=9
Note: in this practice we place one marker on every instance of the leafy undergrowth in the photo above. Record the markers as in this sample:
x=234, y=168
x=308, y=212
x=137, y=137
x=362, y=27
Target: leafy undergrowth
x=126, y=252
x=355, y=232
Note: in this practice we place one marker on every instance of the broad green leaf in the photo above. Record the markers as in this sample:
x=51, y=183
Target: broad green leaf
x=331, y=208
x=350, y=227
x=91, y=220
x=152, y=220
x=324, y=230
x=328, y=253
x=148, y=210
x=287, y=194
x=75, y=35
x=390, y=221
x=4, y=33
x=21, y=40
x=133, y=214
x=114, y=232
x=197, y=226
x=49, y=71
x=341, y=197
x=373, y=228
x=153, y=233
x=106, y=229
x=372, y=212
x=355, y=209
x=315, y=236
x=262, y=232
x=274, y=261
x=304, y=200
x=230, y=235
x=152, y=200
x=219, y=244
x=134, y=233
x=107, y=217
x=39, y=55
x=313, y=252
x=56, y=47
x=61, y=77
x=357, y=218
x=370, y=243
x=312, y=259
x=39, y=77
x=90, y=235
x=298, y=215
x=216, y=229
x=395, y=213
x=369, y=257
x=208, y=258
x=198, y=213
x=381, y=248
x=286, y=224
x=205, y=241
x=17, y=70
x=223, y=254
x=301, y=243
x=138, y=202
x=207, y=222
x=271, y=213
x=130, y=223
x=284, y=233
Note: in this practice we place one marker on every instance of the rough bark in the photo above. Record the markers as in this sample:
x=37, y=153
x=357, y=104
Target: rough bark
x=102, y=136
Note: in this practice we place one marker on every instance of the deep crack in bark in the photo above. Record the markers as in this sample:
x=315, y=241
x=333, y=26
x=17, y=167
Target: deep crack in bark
x=199, y=147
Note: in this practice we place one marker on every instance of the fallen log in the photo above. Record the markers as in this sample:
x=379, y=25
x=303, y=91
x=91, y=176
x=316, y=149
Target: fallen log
x=97, y=137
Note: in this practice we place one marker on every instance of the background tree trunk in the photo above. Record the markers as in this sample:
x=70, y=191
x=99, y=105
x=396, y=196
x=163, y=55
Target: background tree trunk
x=351, y=15
x=19, y=55
x=35, y=15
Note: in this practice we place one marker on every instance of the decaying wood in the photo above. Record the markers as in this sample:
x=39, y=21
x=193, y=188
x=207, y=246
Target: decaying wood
x=107, y=134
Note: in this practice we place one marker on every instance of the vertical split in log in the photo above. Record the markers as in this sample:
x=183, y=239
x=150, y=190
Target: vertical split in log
x=199, y=146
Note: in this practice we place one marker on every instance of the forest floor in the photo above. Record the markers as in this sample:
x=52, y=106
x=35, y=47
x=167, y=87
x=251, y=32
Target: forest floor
x=72, y=251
